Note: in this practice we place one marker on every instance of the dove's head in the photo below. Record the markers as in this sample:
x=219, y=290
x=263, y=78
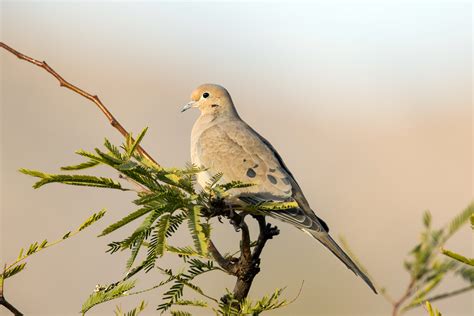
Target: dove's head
x=211, y=99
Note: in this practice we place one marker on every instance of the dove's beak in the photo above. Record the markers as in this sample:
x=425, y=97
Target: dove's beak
x=188, y=106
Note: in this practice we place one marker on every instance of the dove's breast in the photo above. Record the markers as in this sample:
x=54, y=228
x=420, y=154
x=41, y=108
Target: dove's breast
x=233, y=148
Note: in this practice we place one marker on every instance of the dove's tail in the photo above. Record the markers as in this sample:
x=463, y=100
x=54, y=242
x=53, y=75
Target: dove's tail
x=329, y=243
x=314, y=226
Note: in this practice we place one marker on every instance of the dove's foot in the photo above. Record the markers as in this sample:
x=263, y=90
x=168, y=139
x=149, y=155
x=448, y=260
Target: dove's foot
x=269, y=231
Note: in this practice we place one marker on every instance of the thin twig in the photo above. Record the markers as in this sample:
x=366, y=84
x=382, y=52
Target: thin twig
x=48, y=245
x=94, y=98
x=188, y=284
x=297, y=295
x=408, y=292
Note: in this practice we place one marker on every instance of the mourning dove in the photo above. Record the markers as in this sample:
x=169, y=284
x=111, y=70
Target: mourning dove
x=223, y=143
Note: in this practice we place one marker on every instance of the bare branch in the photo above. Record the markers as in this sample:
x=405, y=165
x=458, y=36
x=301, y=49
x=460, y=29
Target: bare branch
x=94, y=98
x=224, y=263
x=245, y=253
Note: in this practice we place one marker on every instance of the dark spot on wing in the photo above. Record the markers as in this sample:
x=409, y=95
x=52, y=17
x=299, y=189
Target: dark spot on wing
x=272, y=178
x=251, y=173
x=256, y=165
x=285, y=181
x=272, y=170
x=245, y=160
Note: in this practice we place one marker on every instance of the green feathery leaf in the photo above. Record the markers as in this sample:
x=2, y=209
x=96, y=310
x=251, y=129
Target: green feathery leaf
x=135, y=241
x=214, y=180
x=127, y=166
x=175, y=222
x=198, y=267
x=427, y=219
x=467, y=273
x=195, y=303
x=124, y=221
x=144, y=228
x=458, y=257
x=157, y=244
x=459, y=220
x=431, y=310
x=114, y=150
x=194, y=223
x=152, y=197
x=88, y=164
x=183, y=251
x=161, y=230
x=92, y=219
x=81, y=180
x=136, y=246
x=180, y=313
x=131, y=149
x=89, y=155
x=134, y=312
x=109, y=158
x=12, y=271
x=266, y=303
x=106, y=294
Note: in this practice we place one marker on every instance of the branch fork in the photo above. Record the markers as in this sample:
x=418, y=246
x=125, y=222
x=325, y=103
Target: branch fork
x=247, y=265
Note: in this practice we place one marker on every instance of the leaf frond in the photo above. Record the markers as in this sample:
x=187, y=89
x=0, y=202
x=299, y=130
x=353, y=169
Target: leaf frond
x=124, y=221
x=197, y=233
x=134, y=312
x=85, y=165
x=459, y=220
x=102, y=295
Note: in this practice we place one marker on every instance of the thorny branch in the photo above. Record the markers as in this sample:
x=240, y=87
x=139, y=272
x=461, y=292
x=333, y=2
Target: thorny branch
x=246, y=267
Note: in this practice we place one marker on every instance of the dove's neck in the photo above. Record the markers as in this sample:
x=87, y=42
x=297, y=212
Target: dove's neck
x=208, y=119
x=221, y=113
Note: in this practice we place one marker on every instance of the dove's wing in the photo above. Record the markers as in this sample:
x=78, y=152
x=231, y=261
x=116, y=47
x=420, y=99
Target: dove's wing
x=241, y=154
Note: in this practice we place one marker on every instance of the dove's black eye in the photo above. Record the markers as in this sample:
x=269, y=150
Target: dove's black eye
x=205, y=95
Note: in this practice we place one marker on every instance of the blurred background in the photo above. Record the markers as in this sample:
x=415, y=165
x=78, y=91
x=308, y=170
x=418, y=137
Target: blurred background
x=369, y=104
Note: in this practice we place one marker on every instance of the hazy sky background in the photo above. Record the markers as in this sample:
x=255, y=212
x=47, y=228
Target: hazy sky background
x=369, y=104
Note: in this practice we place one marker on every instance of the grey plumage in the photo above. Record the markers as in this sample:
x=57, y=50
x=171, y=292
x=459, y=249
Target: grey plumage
x=222, y=142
